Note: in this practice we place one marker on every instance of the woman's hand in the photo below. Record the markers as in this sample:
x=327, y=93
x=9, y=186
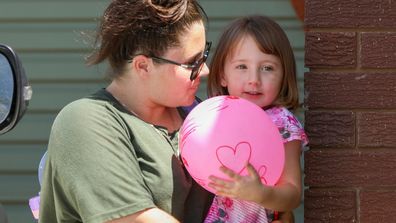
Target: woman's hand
x=247, y=187
x=285, y=217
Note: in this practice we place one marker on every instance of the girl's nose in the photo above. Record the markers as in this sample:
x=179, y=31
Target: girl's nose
x=254, y=78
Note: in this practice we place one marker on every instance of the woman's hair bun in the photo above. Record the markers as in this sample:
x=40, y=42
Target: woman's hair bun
x=169, y=11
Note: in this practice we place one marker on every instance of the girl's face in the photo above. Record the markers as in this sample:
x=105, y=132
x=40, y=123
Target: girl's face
x=251, y=74
x=171, y=85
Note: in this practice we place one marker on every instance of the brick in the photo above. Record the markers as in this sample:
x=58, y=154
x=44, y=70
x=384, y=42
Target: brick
x=377, y=206
x=378, y=50
x=349, y=168
x=334, y=206
x=330, y=128
x=350, y=90
x=327, y=49
x=376, y=129
x=350, y=14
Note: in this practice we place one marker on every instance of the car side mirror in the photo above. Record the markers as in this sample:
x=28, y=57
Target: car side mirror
x=15, y=92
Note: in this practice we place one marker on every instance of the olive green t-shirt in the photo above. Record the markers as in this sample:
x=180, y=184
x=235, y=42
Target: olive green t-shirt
x=104, y=163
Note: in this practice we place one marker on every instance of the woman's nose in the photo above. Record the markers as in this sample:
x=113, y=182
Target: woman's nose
x=204, y=70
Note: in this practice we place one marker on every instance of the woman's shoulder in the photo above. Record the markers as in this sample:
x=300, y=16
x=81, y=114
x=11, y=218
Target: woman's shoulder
x=98, y=102
x=87, y=111
x=81, y=108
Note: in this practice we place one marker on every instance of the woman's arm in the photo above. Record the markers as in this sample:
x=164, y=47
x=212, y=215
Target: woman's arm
x=285, y=217
x=147, y=216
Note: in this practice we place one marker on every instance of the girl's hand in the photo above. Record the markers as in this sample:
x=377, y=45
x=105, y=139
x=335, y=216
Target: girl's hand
x=247, y=187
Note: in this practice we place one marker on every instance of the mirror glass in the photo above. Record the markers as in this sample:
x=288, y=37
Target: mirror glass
x=6, y=87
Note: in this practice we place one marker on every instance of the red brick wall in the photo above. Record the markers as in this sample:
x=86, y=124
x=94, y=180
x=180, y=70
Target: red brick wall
x=350, y=96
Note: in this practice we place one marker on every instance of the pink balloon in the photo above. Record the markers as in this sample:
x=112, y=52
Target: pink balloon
x=230, y=131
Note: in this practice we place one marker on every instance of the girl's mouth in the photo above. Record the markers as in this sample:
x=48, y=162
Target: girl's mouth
x=253, y=93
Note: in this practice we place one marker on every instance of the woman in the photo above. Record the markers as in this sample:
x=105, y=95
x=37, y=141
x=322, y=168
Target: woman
x=113, y=156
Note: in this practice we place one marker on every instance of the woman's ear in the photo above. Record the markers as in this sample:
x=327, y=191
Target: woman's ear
x=141, y=64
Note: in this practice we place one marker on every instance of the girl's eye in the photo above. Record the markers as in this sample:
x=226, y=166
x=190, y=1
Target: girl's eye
x=242, y=66
x=266, y=68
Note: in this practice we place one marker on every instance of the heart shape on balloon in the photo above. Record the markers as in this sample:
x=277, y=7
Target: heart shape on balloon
x=234, y=158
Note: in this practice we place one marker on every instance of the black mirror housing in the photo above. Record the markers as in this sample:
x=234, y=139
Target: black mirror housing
x=22, y=91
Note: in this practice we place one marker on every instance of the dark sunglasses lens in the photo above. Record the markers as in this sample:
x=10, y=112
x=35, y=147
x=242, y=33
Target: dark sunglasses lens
x=197, y=68
x=199, y=64
x=194, y=73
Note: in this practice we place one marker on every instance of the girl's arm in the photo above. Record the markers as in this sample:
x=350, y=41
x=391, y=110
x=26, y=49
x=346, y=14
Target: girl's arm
x=284, y=196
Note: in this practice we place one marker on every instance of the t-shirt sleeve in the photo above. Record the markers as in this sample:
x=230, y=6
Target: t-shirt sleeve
x=289, y=126
x=94, y=167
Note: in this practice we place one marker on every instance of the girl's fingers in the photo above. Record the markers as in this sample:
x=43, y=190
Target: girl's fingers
x=230, y=173
x=251, y=170
x=222, y=191
x=220, y=182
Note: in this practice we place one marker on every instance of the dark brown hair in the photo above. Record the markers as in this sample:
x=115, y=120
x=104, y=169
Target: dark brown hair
x=149, y=27
x=271, y=39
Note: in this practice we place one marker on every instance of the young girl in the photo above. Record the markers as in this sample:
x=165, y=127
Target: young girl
x=254, y=61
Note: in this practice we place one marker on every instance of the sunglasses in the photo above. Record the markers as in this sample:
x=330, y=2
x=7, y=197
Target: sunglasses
x=195, y=67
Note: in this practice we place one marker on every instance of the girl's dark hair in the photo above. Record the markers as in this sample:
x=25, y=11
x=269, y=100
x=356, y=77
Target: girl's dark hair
x=149, y=27
x=271, y=39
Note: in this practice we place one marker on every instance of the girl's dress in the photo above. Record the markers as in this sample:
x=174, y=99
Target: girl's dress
x=226, y=210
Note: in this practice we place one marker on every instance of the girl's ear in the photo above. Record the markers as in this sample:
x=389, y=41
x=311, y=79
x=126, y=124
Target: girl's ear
x=142, y=65
x=223, y=81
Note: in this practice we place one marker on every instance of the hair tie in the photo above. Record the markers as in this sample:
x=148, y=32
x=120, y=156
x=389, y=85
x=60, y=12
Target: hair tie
x=169, y=11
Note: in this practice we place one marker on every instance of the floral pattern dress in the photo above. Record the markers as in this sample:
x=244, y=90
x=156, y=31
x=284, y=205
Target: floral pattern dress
x=226, y=210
